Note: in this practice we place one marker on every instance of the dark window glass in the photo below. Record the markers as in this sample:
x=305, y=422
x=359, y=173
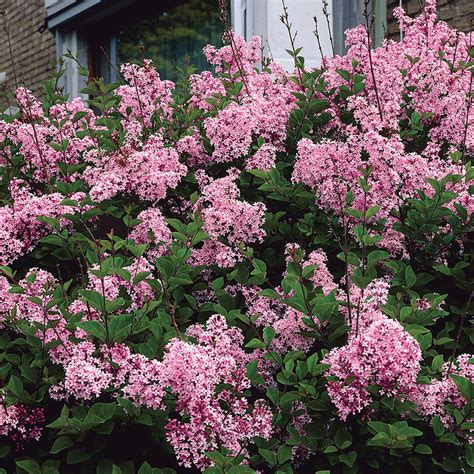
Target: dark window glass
x=165, y=31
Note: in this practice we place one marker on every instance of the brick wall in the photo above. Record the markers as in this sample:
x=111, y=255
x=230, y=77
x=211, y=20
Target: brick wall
x=32, y=51
x=457, y=13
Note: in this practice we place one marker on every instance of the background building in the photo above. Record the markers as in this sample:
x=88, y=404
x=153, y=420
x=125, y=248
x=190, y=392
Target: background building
x=104, y=33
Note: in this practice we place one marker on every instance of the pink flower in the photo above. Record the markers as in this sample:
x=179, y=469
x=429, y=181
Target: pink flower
x=152, y=230
x=432, y=398
x=383, y=355
x=193, y=372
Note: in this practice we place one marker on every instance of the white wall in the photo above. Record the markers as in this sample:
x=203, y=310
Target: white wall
x=262, y=18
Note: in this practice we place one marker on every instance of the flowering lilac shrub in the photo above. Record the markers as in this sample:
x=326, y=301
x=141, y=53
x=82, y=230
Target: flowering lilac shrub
x=246, y=271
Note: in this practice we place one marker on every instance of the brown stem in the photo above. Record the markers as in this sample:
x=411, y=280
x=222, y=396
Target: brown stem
x=318, y=39
x=6, y=29
x=326, y=14
x=369, y=48
x=285, y=19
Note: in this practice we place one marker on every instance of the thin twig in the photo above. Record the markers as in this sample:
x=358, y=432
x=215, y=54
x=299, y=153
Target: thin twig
x=6, y=29
x=368, y=28
x=326, y=14
x=229, y=36
x=318, y=39
x=285, y=19
x=112, y=65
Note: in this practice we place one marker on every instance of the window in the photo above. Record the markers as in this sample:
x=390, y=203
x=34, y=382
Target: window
x=167, y=32
x=349, y=13
x=107, y=33
x=111, y=32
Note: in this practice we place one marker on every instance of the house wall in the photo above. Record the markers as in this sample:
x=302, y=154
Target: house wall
x=264, y=19
x=32, y=51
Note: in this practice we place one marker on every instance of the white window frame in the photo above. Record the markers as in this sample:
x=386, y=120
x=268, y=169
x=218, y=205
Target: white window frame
x=71, y=42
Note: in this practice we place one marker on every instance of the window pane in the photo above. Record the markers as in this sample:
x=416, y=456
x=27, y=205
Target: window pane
x=170, y=31
x=346, y=14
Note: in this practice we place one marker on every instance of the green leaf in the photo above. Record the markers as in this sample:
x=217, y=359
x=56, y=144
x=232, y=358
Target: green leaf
x=380, y=439
x=216, y=457
x=284, y=453
x=77, y=456
x=29, y=466
x=348, y=458
x=269, y=456
x=376, y=256
x=438, y=426
x=94, y=299
x=371, y=211
x=119, y=326
x=410, y=277
x=344, y=74
x=470, y=455
x=78, y=116
x=15, y=385
x=94, y=328
x=61, y=443
x=145, y=468
x=437, y=363
x=311, y=362
x=343, y=439
x=442, y=269
x=268, y=293
x=255, y=344
x=423, y=449
x=465, y=386
x=268, y=334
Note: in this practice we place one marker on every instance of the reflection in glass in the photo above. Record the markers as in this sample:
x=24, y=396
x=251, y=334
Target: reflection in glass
x=171, y=31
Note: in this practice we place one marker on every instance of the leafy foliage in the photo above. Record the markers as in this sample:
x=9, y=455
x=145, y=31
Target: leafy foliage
x=251, y=271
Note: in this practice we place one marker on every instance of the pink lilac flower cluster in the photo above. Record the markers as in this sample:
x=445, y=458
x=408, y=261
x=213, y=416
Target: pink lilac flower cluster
x=21, y=423
x=221, y=417
x=42, y=138
x=411, y=71
x=261, y=111
x=321, y=276
x=431, y=398
x=194, y=373
x=191, y=148
x=20, y=229
x=226, y=216
x=144, y=99
x=145, y=95
x=85, y=375
x=379, y=353
x=123, y=172
x=152, y=230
